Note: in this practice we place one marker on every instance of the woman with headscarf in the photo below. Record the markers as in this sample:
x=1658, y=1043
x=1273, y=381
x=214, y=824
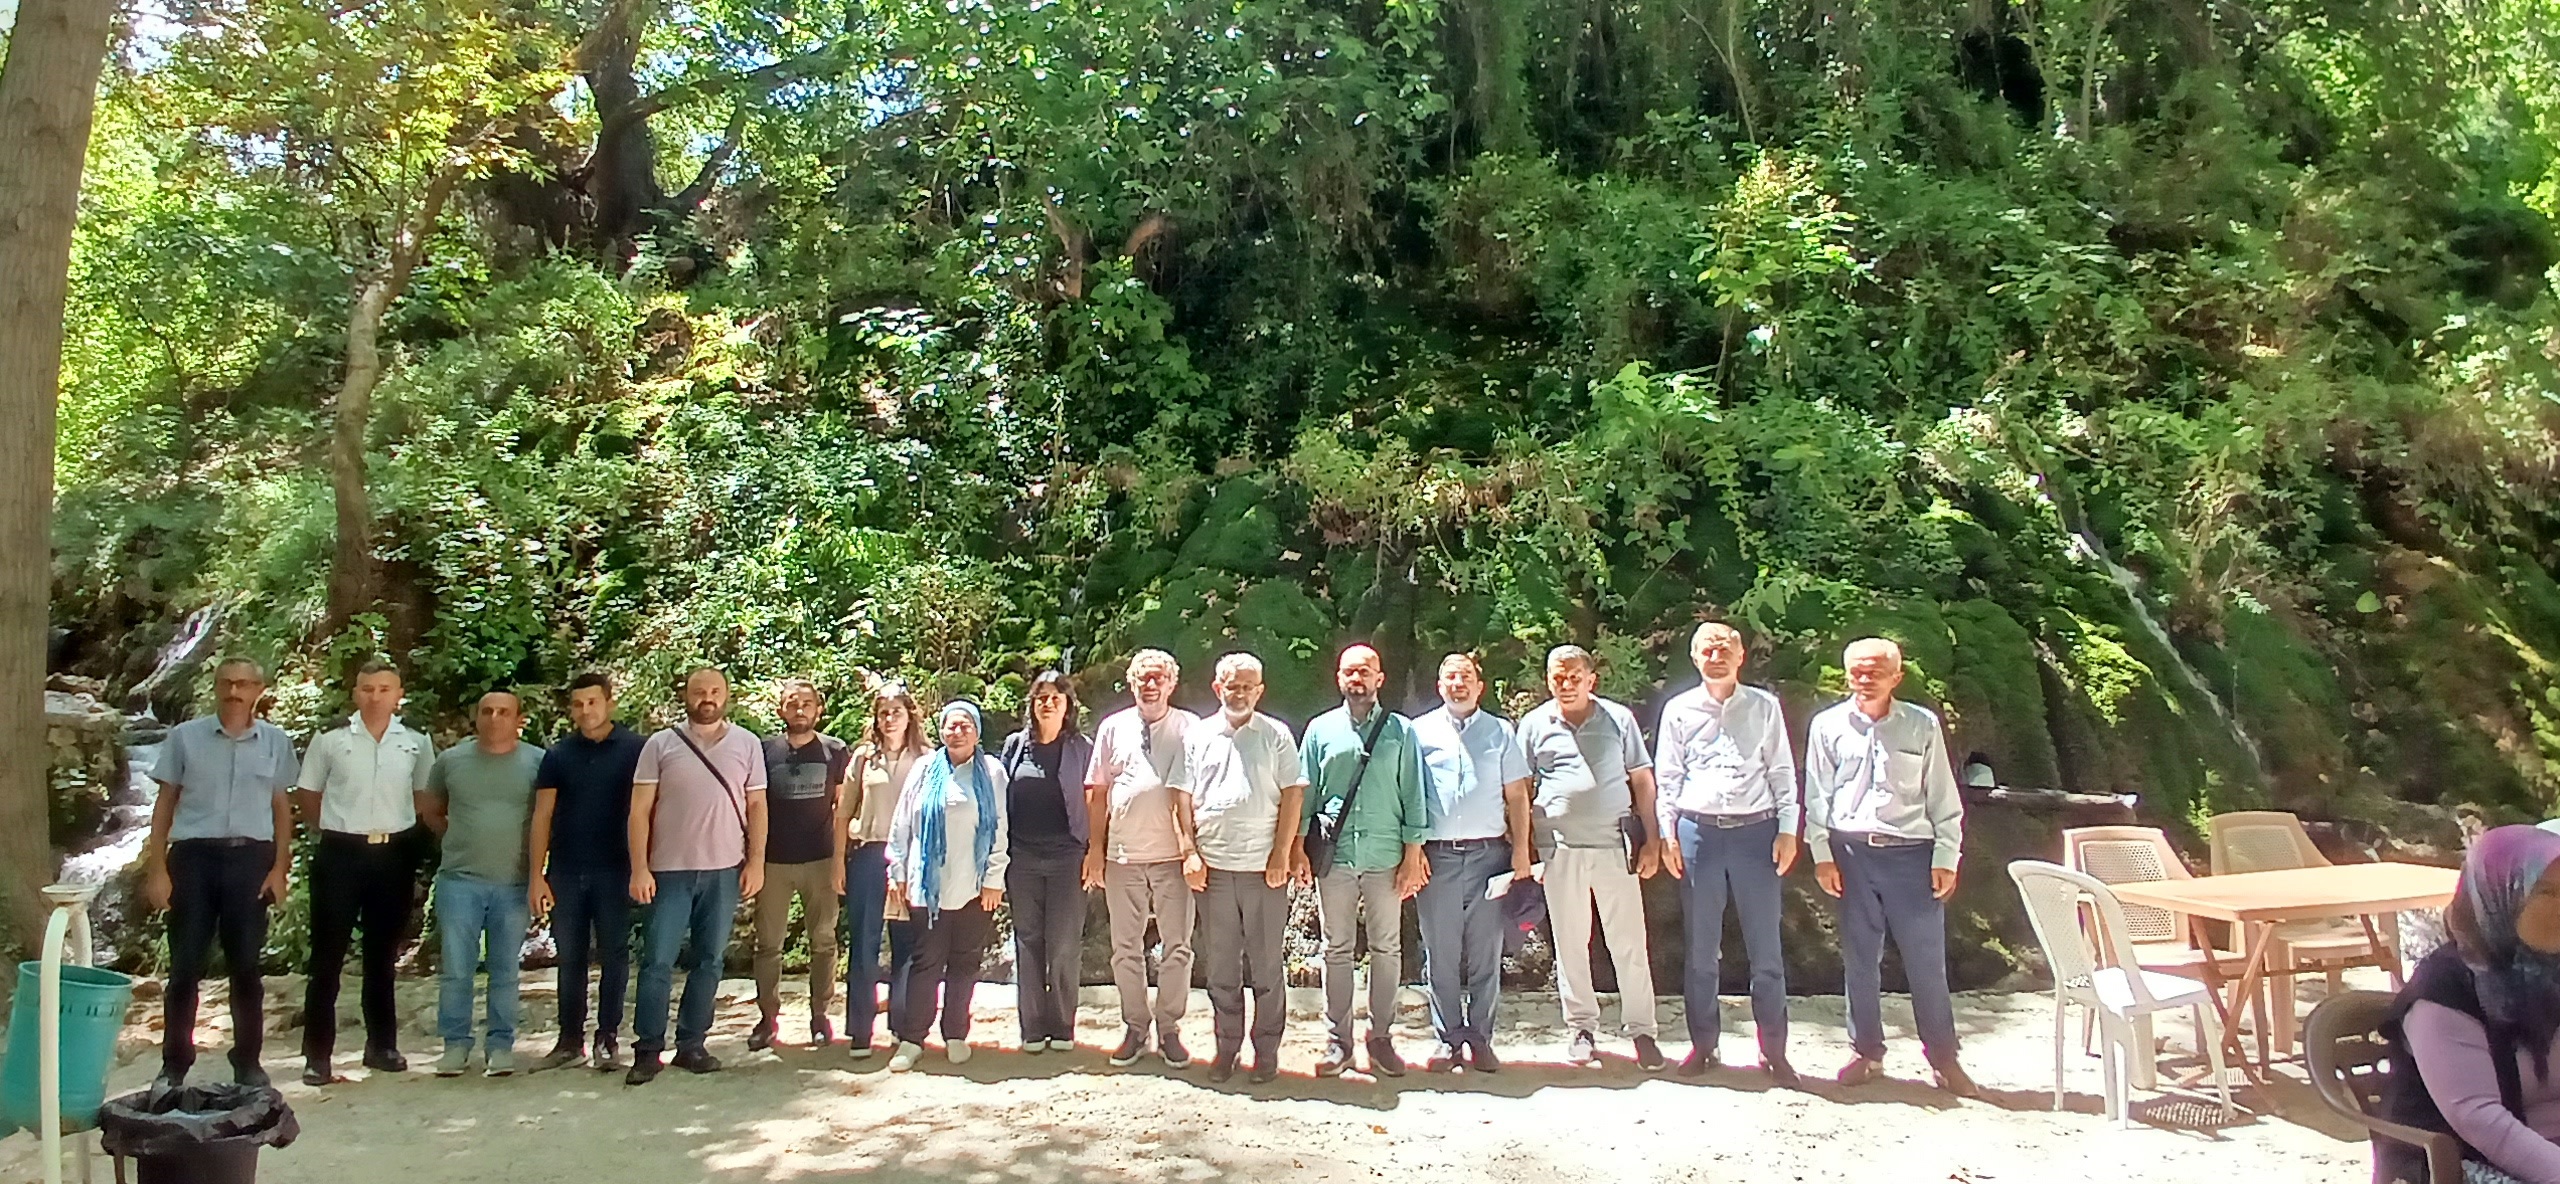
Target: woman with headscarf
x=1044, y=767
x=946, y=862
x=893, y=744
x=2476, y=1033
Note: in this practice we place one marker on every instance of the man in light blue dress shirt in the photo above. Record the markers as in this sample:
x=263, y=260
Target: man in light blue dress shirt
x=1477, y=796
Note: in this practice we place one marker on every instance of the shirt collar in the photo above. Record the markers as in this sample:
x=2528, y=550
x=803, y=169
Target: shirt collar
x=1891, y=706
x=355, y=721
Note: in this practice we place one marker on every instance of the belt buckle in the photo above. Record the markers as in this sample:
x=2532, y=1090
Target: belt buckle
x=376, y=838
x=1878, y=839
x=1730, y=822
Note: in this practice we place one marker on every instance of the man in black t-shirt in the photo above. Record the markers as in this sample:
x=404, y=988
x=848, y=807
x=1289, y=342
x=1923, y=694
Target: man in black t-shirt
x=804, y=770
x=581, y=864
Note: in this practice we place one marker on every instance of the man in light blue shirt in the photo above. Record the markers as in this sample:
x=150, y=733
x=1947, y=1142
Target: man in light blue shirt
x=1477, y=794
x=213, y=860
x=1885, y=824
x=1728, y=806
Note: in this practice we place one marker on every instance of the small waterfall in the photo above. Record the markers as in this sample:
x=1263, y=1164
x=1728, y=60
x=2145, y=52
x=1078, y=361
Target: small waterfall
x=177, y=657
x=2086, y=546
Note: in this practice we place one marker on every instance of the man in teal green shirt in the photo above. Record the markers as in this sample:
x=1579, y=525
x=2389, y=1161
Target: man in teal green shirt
x=1377, y=863
x=480, y=798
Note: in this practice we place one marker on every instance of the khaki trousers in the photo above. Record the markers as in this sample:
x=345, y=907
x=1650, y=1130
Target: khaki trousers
x=813, y=883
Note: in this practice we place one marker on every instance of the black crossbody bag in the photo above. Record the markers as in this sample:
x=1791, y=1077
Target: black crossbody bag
x=1324, y=831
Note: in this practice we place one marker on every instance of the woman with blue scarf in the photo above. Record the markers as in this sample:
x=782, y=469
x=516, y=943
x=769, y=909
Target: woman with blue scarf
x=2476, y=1034
x=946, y=861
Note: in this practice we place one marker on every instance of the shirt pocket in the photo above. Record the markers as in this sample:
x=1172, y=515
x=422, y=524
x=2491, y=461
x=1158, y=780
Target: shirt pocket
x=1906, y=767
x=257, y=766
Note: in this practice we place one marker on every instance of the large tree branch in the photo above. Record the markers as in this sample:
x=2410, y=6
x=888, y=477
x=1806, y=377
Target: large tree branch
x=693, y=195
x=743, y=82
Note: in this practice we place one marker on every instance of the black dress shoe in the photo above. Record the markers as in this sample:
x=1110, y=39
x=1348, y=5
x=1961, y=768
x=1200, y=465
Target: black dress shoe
x=645, y=1068
x=386, y=1060
x=1480, y=1058
x=253, y=1076
x=758, y=1040
x=696, y=1061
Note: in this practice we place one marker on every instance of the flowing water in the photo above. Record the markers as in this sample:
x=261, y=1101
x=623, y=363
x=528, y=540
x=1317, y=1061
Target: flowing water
x=2089, y=547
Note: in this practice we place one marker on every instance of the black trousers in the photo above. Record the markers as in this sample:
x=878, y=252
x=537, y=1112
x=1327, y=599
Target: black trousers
x=1048, y=940
x=357, y=885
x=213, y=894
x=950, y=947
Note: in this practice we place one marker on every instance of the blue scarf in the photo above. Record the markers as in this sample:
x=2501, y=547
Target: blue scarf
x=930, y=831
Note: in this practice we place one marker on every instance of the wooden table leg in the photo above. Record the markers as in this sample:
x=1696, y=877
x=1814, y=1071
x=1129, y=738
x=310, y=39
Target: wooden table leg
x=2215, y=986
x=2253, y=970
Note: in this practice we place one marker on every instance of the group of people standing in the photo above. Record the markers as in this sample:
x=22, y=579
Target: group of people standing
x=1193, y=829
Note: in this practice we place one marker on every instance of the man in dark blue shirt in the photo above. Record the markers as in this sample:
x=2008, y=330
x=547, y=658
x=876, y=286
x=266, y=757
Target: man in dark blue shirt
x=581, y=861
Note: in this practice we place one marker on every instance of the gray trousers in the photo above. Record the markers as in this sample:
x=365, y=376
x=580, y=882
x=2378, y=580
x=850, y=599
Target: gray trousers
x=1241, y=920
x=1462, y=936
x=1138, y=893
x=1341, y=896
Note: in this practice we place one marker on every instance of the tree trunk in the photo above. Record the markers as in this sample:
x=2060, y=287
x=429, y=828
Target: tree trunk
x=354, y=576
x=48, y=91
x=622, y=175
x=351, y=567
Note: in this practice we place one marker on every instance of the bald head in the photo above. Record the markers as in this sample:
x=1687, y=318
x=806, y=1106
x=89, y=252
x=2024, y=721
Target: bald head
x=1360, y=673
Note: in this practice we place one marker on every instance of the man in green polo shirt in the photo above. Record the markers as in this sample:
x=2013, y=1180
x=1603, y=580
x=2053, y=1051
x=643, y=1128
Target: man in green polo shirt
x=1377, y=863
x=480, y=798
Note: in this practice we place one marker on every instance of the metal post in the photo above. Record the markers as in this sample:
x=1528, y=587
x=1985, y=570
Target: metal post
x=66, y=932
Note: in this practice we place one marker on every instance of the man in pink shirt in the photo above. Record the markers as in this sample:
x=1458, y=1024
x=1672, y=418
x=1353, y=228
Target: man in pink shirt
x=697, y=848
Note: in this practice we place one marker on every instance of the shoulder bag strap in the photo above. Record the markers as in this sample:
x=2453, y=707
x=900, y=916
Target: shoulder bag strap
x=1359, y=772
x=728, y=792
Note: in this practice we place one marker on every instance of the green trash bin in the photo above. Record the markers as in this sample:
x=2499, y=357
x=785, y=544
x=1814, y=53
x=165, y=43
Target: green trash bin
x=93, y=1007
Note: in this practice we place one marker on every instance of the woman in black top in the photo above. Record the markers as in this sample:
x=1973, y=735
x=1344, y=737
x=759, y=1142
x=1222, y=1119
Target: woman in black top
x=1046, y=833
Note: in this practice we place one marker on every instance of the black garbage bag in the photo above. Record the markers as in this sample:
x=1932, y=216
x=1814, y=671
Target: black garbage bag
x=174, y=1122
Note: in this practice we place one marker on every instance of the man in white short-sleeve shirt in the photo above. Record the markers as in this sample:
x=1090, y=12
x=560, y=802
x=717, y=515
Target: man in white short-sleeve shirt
x=360, y=786
x=1246, y=791
x=1142, y=855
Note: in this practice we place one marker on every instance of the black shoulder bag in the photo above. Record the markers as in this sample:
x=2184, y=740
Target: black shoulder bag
x=1324, y=831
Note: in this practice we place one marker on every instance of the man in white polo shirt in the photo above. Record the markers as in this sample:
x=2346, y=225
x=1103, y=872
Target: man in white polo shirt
x=360, y=785
x=1246, y=790
x=1142, y=855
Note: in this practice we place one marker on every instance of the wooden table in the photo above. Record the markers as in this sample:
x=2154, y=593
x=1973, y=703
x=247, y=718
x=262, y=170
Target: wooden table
x=2255, y=902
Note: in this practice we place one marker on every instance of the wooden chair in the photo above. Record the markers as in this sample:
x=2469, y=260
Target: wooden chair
x=2350, y=1064
x=2274, y=840
x=2163, y=942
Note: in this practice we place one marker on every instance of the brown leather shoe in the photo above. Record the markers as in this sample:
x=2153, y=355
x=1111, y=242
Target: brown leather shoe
x=1952, y=1078
x=1861, y=1070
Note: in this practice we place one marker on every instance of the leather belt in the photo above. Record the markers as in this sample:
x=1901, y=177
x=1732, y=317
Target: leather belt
x=1466, y=844
x=1730, y=821
x=1879, y=839
x=224, y=841
x=370, y=838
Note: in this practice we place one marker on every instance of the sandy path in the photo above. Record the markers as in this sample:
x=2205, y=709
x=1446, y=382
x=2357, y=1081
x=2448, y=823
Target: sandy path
x=804, y=1114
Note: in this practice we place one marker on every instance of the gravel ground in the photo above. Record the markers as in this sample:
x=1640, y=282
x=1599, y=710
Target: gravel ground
x=1055, y=1118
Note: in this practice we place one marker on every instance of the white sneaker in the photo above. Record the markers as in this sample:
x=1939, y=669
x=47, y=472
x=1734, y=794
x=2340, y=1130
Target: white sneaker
x=456, y=1058
x=906, y=1057
x=502, y=1062
x=1056, y=1045
x=1035, y=1047
x=959, y=1053
x=863, y=1053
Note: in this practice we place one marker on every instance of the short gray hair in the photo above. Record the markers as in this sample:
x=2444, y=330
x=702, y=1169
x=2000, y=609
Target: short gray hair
x=1570, y=653
x=1883, y=647
x=1236, y=663
x=1154, y=657
x=239, y=660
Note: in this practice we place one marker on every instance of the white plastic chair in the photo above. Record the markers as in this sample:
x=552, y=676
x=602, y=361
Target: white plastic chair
x=2089, y=948
x=2161, y=939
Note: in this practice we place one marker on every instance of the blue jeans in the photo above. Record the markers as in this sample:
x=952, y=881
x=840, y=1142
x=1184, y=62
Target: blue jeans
x=701, y=904
x=1462, y=937
x=1885, y=890
x=1737, y=862
x=473, y=915
x=866, y=896
x=591, y=907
